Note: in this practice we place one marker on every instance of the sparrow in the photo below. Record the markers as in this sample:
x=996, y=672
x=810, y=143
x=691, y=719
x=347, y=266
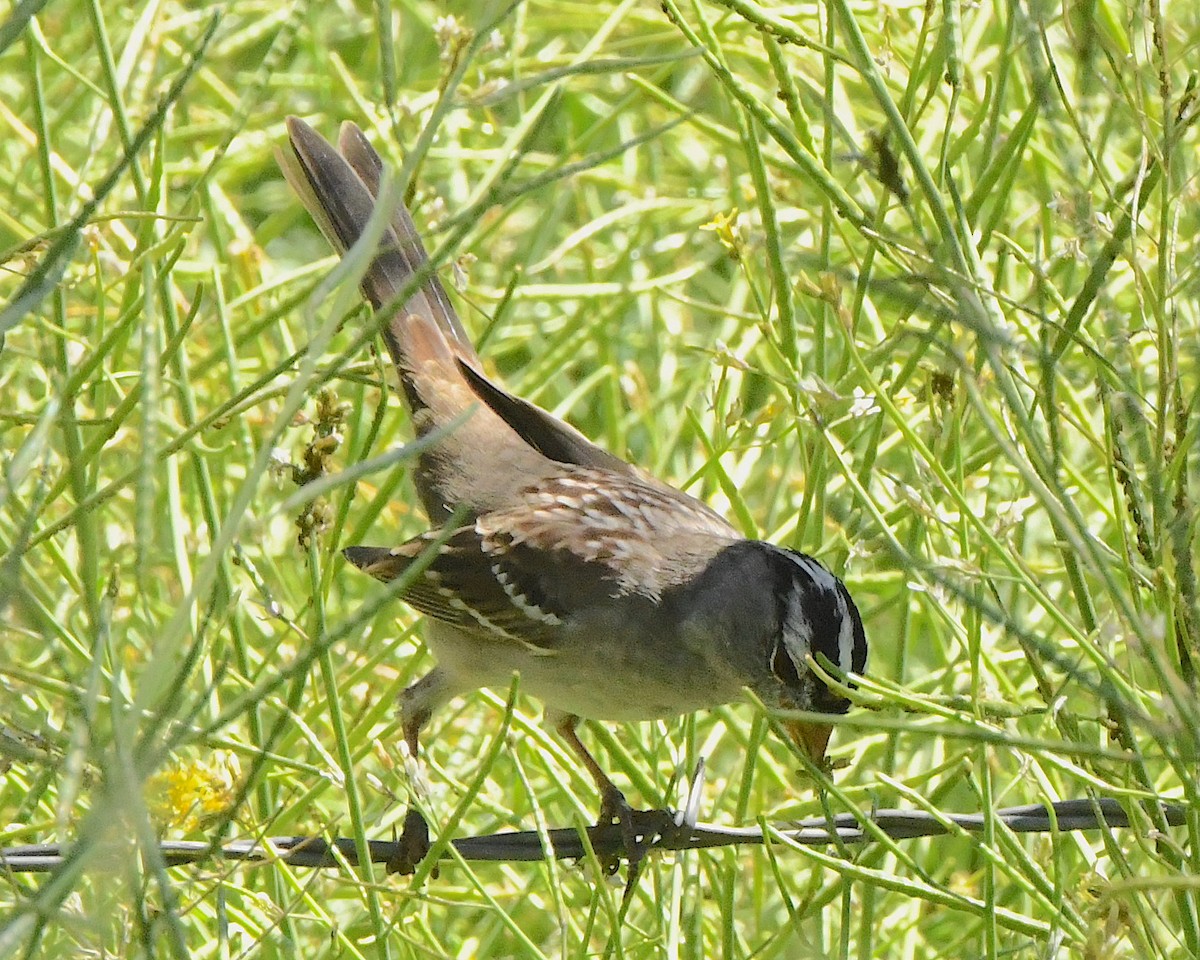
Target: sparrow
x=615, y=596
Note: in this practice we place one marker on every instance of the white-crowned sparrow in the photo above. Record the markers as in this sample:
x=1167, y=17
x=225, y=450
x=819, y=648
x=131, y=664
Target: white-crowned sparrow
x=613, y=595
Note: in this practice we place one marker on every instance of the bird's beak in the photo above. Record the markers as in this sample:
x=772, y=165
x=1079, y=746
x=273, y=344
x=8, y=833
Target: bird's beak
x=812, y=738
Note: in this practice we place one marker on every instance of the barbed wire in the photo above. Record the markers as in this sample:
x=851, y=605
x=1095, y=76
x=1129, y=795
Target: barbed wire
x=653, y=830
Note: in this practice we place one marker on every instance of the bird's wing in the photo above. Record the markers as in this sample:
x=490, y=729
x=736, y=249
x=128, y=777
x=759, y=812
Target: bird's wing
x=577, y=541
x=469, y=586
x=541, y=430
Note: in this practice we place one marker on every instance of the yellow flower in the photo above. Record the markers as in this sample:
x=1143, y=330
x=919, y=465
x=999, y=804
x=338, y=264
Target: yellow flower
x=187, y=795
x=725, y=227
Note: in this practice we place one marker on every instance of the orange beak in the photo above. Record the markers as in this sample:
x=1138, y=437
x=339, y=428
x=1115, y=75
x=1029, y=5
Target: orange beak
x=812, y=738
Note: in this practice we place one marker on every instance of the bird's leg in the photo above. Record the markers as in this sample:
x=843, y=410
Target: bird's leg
x=416, y=705
x=638, y=827
x=413, y=844
x=612, y=801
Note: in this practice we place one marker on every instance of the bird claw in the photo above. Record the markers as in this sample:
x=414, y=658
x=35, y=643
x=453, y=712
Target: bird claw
x=412, y=847
x=636, y=832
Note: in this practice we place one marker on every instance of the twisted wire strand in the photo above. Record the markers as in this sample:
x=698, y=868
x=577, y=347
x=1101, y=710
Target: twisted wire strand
x=657, y=830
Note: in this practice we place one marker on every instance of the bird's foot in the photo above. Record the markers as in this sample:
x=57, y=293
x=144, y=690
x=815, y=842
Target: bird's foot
x=413, y=845
x=635, y=833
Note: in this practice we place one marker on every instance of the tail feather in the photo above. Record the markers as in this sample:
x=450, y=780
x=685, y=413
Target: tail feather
x=507, y=442
x=339, y=190
x=483, y=462
x=366, y=162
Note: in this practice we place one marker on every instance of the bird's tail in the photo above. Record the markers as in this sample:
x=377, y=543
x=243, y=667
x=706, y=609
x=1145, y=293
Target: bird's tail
x=339, y=188
x=506, y=441
x=481, y=460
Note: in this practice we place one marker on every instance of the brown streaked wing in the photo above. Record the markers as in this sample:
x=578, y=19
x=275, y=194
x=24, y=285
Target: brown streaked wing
x=576, y=541
x=466, y=587
x=596, y=526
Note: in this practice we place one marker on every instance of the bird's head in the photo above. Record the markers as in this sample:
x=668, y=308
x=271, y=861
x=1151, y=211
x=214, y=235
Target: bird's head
x=816, y=616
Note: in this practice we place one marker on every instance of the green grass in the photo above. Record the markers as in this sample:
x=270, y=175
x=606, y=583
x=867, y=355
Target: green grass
x=960, y=367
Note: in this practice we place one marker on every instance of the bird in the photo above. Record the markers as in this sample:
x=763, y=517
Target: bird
x=614, y=596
